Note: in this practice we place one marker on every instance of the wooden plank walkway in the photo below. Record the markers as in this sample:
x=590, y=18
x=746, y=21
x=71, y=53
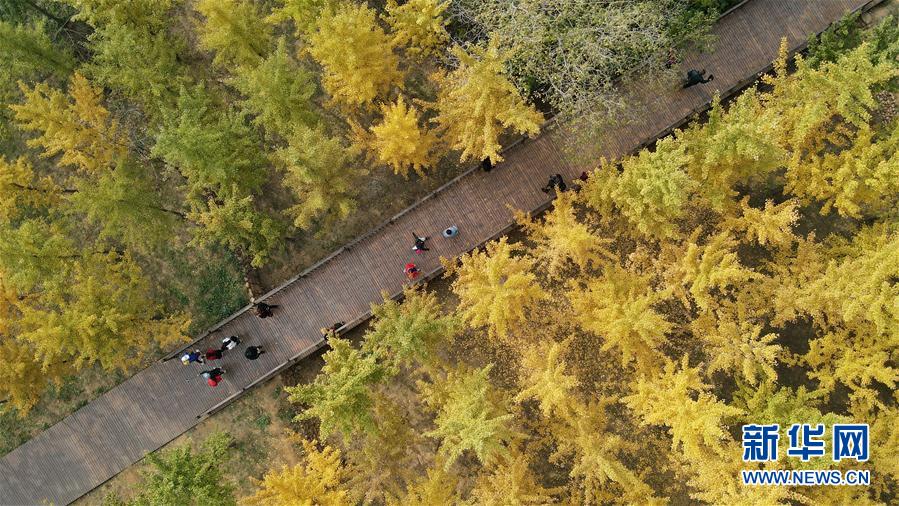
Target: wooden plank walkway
x=163, y=401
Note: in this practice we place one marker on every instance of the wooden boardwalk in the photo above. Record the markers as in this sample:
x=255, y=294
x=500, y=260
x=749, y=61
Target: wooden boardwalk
x=163, y=401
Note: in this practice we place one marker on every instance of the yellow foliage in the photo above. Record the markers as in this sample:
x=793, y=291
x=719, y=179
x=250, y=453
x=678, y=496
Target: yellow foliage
x=546, y=380
x=596, y=455
x=20, y=189
x=418, y=25
x=356, y=55
x=680, y=400
x=770, y=225
x=80, y=128
x=438, y=487
x=736, y=346
x=317, y=481
x=511, y=483
x=495, y=288
x=711, y=269
x=400, y=141
x=476, y=103
x=618, y=307
x=234, y=30
x=562, y=240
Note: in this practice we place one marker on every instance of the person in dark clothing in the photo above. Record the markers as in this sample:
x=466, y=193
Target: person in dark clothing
x=263, y=310
x=212, y=373
x=419, y=246
x=695, y=77
x=332, y=330
x=253, y=352
x=555, y=181
x=486, y=164
x=213, y=354
x=580, y=181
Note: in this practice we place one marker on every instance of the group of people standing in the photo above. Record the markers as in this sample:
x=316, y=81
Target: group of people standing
x=214, y=375
x=419, y=246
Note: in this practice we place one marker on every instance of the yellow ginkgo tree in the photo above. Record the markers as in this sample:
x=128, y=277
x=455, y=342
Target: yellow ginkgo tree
x=318, y=480
x=78, y=127
x=357, y=56
x=400, y=141
x=476, y=103
x=496, y=288
x=418, y=25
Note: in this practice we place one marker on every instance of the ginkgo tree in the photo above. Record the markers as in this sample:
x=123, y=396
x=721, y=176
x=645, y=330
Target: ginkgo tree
x=496, y=288
x=78, y=126
x=234, y=30
x=476, y=103
x=400, y=140
x=356, y=55
x=318, y=480
x=419, y=26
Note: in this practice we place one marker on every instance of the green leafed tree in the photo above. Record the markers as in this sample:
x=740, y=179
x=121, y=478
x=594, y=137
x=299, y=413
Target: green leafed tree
x=213, y=148
x=341, y=395
x=235, y=31
x=278, y=92
x=238, y=224
x=410, y=331
x=191, y=478
x=322, y=172
x=470, y=416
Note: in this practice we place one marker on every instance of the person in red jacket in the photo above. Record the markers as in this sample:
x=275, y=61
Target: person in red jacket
x=213, y=376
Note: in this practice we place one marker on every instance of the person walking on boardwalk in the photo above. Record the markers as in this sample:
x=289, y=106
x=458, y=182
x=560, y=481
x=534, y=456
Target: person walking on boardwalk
x=451, y=231
x=332, y=330
x=411, y=271
x=695, y=77
x=419, y=246
x=486, y=164
x=213, y=376
x=253, y=352
x=192, y=357
x=229, y=343
x=263, y=310
x=213, y=354
x=555, y=181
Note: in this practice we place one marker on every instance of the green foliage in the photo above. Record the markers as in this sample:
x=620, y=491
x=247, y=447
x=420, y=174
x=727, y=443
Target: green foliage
x=27, y=50
x=145, y=66
x=213, y=148
x=470, y=416
x=124, y=205
x=237, y=224
x=235, y=31
x=184, y=476
x=839, y=38
x=409, y=332
x=652, y=190
x=341, y=396
x=278, y=92
x=321, y=171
